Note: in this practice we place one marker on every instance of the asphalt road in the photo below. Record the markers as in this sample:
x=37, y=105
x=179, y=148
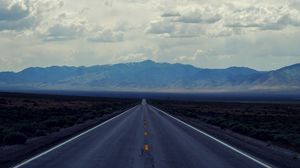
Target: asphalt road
x=143, y=137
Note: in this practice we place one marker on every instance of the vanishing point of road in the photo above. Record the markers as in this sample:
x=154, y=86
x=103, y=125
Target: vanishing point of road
x=143, y=137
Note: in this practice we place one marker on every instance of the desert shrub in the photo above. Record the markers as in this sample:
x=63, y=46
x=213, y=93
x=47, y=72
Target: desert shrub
x=35, y=104
x=80, y=120
x=229, y=123
x=3, y=101
x=40, y=133
x=67, y=121
x=240, y=128
x=215, y=121
x=61, y=122
x=268, y=122
x=50, y=123
x=54, y=129
x=30, y=121
x=14, y=138
x=262, y=135
x=294, y=139
x=281, y=138
x=27, y=101
x=27, y=129
x=1, y=138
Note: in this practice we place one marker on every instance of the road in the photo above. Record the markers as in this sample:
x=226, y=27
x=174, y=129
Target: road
x=143, y=137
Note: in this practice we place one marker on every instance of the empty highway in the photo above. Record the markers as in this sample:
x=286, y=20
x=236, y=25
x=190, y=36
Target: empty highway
x=143, y=137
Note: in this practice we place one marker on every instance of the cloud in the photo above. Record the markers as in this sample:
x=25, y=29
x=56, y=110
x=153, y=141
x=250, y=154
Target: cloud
x=18, y=25
x=185, y=58
x=132, y=57
x=64, y=31
x=199, y=54
x=295, y=5
x=15, y=15
x=188, y=22
x=199, y=14
x=13, y=10
x=170, y=14
x=107, y=36
x=68, y=25
x=42, y=19
x=92, y=32
x=19, y=15
x=223, y=19
x=263, y=18
x=168, y=29
x=65, y=26
x=160, y=27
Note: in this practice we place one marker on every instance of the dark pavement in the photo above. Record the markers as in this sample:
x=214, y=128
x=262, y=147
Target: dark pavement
x=142, y=137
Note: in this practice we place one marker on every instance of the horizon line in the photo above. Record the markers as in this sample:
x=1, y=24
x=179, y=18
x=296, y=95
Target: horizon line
x=146, y=60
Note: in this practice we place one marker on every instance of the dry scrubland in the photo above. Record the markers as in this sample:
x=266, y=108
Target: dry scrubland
x=25, y=116
x=274, y=123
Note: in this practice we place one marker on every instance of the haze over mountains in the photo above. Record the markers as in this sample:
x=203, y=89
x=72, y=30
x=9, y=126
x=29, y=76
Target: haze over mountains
x=148, y=75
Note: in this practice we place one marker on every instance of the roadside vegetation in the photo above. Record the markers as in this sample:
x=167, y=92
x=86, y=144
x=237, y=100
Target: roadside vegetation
x=274, y=123
x=25, y=116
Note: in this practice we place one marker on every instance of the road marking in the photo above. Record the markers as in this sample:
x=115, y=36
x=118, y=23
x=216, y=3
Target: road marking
x=69, y=140
x=146, y=147
x=217, y=140
x=145, y=133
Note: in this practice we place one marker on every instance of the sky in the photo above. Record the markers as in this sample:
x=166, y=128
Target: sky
x=260, y=34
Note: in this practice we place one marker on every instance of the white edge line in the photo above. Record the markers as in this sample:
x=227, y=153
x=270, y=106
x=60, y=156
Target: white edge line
x=69, y=140
x=217, y=140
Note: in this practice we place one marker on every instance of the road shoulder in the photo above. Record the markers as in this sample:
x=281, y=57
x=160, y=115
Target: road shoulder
x=11, y=155
x=263, y=150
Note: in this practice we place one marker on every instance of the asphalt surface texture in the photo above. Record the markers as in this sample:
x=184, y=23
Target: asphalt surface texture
x=142, y=137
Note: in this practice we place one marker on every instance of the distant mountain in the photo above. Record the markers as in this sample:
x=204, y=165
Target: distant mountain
x=148, y=75
x=287, y=77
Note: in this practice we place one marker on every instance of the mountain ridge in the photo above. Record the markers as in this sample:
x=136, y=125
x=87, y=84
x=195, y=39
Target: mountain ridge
x=150, y=75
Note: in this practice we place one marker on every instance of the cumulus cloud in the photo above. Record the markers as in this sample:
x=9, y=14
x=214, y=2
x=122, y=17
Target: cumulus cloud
x=185, y=58
x=295, y=5
x=65, y=26
x=189, y=21
x=225, y=19
x=15, y=15
x=132, y=57
x=199, y=14
x=160, y=27
x=107, y=36
x=13, y=10
x=199, y=54
x=263, y=18
x=18, y=15
x=228, y=31
x=170, y=14
x=47, y=20
x=62, y=31
x=18, y=25
x=174, y=30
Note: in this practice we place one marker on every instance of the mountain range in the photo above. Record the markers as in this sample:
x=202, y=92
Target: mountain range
x=151, y=76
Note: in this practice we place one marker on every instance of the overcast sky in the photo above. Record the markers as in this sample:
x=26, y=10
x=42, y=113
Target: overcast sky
x=261, y=34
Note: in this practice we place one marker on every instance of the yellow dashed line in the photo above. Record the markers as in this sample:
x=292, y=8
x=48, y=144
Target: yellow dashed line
x=146, y=147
